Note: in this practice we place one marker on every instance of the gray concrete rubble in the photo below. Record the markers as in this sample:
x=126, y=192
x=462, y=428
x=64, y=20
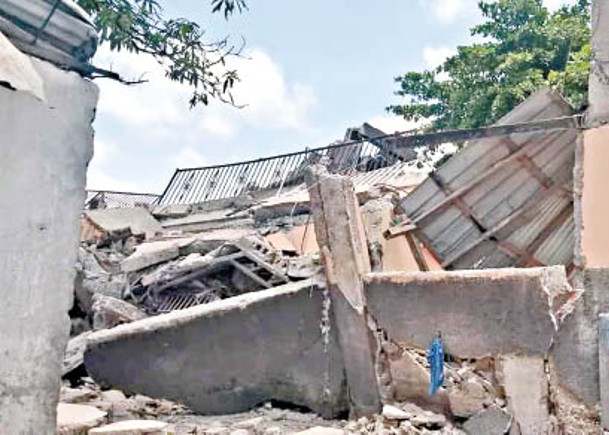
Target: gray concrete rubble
x=490, y=421
x=521, y=309
x=270, y=341
x=74, y=353
x=78, y=419
x=526, y=388
x=109, y=312
x=138, y=221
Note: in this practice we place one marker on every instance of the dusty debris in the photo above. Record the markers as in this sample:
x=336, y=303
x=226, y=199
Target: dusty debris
x=490, y=421
x=132, y=427
x=78, y=419
x=74, y=352
x=99, y=225
x=109, y=312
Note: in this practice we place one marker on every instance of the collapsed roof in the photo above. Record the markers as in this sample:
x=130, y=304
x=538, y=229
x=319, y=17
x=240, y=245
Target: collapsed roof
x=503, y=201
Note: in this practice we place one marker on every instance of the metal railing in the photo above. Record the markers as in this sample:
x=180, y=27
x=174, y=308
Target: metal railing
x=110, y=199
x=198, y=185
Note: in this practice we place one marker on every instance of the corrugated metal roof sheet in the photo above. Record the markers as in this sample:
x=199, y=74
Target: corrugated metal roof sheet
x=503, y=202
x=55, y=30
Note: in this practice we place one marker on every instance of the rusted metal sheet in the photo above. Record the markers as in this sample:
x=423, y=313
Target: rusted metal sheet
x=503, y=202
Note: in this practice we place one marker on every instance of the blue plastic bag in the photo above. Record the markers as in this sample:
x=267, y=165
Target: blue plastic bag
x=435, y=357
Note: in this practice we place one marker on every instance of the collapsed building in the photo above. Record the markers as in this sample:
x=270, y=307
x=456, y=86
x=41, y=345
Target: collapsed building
x=316, y=280
x=321, y=286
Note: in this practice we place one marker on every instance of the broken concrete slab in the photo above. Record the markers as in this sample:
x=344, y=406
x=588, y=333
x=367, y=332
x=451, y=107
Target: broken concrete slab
x=410, y=383
x=393, y=413
x=230, y=355
x=171, y=211
x=109, y=221
x=520, y=308
x=149, y=254
x=525, y=382
x=210, y=220
x=341, y=235
x=132, y=427
x=576, y=344
x=109, y=312
x=74, y=353
x=78, y=419
x=468, y=398
x=490, y=421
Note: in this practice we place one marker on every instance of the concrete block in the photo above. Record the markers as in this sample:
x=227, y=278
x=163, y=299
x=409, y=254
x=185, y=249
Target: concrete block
x=341, y=235
x=44, y=150
x=77, y=419
x=410, y=383
x=132, y=427
x=112, y=220
x=230, y=355
x=149, y=254
x=467, y=398
x=174, y=211
x=526, y=389
x=479, y=313
x=491, y=421
x=109, y=312
x=74, y=353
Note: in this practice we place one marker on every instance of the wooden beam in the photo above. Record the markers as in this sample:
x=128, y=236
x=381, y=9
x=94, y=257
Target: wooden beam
x=525, y=213
x=413, y=243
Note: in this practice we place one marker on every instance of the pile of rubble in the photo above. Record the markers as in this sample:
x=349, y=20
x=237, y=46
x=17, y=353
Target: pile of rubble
x=226, y=310
x=127, y=256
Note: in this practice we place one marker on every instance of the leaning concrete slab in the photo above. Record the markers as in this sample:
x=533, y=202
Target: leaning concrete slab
x=341, y=236
x=44, y=150
x=479, y=313
x=229, y=355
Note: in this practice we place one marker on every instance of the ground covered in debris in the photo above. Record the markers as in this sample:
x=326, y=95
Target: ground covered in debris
x=268, y=419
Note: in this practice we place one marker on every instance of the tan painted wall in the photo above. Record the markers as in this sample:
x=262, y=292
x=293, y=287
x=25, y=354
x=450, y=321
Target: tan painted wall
x=595, y=198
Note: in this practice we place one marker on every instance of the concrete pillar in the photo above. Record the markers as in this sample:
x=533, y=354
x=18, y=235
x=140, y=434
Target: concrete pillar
x=598, y=86
x=44, y=150
x=576, y=344
x=603, y=362
x=341, y=237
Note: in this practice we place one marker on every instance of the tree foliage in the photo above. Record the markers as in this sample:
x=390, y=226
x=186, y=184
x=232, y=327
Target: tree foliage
x=524, y=47
x=140, y=26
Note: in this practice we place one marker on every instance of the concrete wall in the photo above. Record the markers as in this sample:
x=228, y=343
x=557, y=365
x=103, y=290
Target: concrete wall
x=44, y=150
x=480, y=313
x=230, y=355
x=574, y=356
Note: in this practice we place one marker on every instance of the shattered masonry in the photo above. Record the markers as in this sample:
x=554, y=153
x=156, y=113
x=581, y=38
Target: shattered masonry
x=302, y=286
